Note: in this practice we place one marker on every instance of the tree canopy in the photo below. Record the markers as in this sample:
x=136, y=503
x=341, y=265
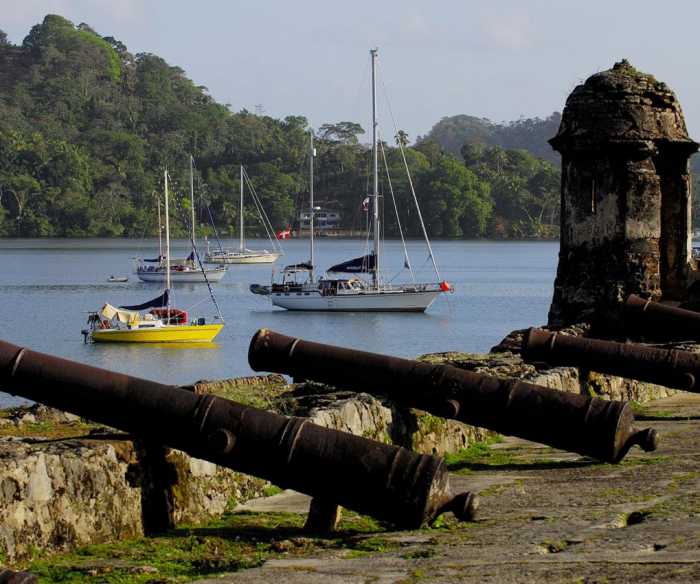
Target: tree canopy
x=529, y=134
x=87, y=127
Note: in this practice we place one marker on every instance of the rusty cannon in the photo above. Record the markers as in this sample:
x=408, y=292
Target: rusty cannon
x=10, y=577
x=668, y=367
x=589, y=426
x=660, y=321
x=390, y=483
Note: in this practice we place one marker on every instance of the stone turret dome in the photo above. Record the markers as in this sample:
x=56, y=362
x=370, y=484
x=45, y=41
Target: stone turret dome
x=622, y=107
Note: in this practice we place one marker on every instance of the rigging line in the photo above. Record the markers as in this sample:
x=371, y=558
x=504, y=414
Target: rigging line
x=367, y=196
x=191, y=306
x=396, y=210
x=276, y=245
x=410, y=182
x=213, y=225
x=142, y=244
x=264, y=219
x=206, y=279
x=199, y=262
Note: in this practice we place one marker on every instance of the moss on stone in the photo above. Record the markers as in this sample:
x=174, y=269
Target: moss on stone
x=259, y=392
x=478, y=454
x=238, y=540
x=49, y=430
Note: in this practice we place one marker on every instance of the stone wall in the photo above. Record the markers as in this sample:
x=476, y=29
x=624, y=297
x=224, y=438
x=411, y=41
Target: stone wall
x=365, y=415
x=504, y=360
x=62, y=493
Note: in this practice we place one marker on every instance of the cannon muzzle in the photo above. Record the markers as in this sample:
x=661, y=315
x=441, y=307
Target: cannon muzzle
x=590, y=426
x=660, y=321
x=385, y=481
x=667, y=367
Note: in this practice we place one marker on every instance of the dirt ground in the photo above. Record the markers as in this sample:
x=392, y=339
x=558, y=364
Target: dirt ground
x=545, y=516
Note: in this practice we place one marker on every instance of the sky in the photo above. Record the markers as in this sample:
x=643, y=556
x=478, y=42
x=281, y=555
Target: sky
x=502, y=60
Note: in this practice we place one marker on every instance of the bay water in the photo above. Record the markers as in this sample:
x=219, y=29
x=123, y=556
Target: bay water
x=47, y=288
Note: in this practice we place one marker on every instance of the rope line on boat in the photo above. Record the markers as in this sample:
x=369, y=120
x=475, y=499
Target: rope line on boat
x=410, y=182
x=407, y=259
x=264, y=219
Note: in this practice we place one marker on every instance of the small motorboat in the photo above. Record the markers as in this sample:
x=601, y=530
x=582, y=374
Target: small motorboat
x=118, y=279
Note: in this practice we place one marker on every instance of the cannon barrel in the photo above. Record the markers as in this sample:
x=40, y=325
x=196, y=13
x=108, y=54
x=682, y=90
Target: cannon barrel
x=657, y=320
x=590, y=426
x=385, y=481
x=10, y=577
x=668, y=367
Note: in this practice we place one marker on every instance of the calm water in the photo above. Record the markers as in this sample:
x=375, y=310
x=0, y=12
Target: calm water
x=47, y=288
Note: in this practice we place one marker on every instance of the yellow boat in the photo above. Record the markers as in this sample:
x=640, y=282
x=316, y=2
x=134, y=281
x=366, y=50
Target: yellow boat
x=161, y=324
x=147, y=333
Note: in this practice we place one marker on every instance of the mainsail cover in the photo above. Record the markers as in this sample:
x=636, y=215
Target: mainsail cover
x=159, y=302
x=359, y=265
x=124, y=316
x=300, y=267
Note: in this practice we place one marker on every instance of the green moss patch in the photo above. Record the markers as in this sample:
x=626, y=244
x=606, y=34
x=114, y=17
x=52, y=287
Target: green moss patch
x=236, y=541
x=478, y=455
x=49, y=430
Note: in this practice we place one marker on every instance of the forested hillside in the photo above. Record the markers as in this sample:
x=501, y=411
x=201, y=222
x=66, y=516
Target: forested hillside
x=87, y=127
x=529, y=134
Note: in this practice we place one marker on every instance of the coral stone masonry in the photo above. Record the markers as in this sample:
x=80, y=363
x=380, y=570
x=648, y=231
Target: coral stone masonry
x=625, y=197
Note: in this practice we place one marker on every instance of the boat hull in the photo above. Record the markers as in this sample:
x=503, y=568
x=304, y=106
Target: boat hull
x=204, y=333
x=193, y=276
x=393, y=301
x=250, y=258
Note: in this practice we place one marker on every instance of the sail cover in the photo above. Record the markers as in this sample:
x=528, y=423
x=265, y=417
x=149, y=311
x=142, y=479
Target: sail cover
x=159, y=302
x=359, y=265
x=304, y=266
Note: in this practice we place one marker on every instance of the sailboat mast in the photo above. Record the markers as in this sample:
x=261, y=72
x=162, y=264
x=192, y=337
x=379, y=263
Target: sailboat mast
x=240, y=245
x=311, y=203
x=375, y=172
x=160, y=234
x=192, y=193
x=167, y=238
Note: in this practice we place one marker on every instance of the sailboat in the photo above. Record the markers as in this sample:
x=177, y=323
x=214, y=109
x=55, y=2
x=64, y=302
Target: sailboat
x=154, y=321
x=243, y=255
x=183, y=270
x=300, y=290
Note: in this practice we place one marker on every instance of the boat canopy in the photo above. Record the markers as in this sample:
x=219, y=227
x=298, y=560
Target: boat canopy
x=124, y=316
x=359, y=265
x=158, y=302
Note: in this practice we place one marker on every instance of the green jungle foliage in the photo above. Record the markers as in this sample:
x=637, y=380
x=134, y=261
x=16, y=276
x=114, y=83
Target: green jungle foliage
x=87, y=128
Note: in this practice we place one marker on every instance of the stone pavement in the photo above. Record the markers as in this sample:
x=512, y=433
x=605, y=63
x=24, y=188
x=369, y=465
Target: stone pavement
x=545, y=516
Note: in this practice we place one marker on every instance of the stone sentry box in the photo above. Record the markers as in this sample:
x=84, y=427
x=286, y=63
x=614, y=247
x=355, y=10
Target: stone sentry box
x=625, y=198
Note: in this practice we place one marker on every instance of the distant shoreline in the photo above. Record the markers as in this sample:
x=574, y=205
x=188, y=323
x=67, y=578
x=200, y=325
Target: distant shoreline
x=212, y=241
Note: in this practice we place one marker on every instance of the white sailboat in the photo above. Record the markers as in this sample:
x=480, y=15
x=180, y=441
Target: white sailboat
x=353, y=294
x=243, y=255
x=183, y=270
